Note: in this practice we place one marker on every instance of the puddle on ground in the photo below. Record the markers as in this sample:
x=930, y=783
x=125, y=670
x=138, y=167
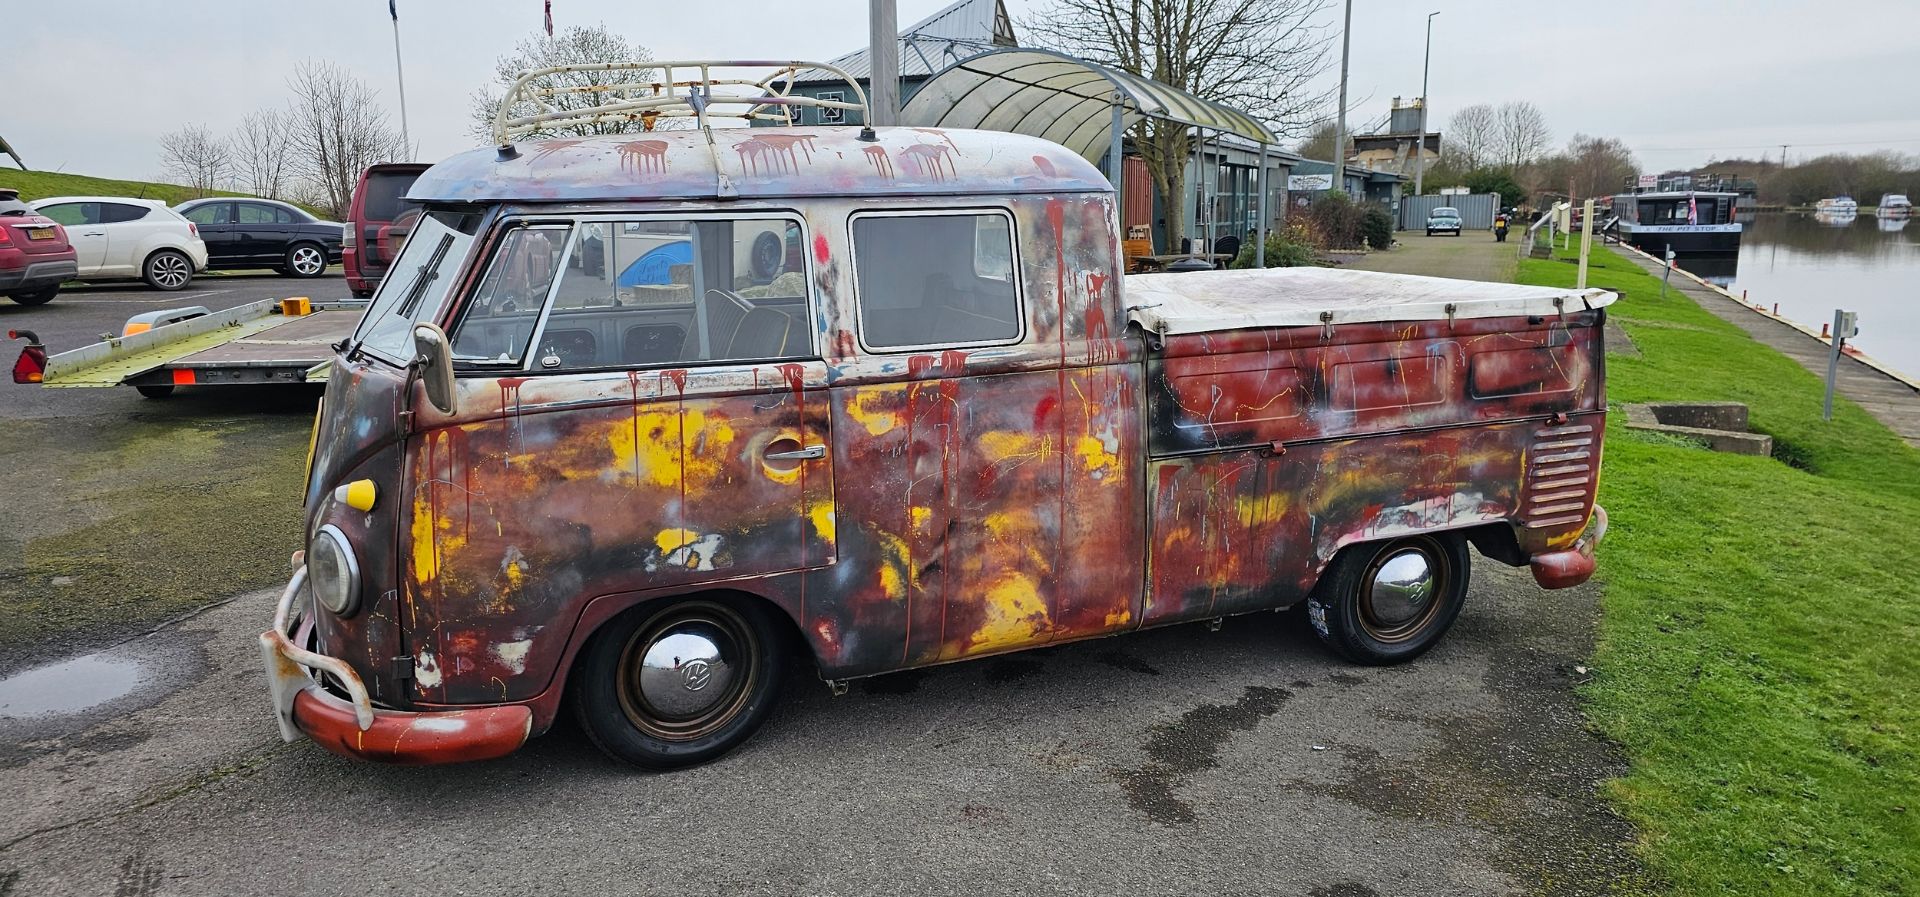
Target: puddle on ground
x=68, y=687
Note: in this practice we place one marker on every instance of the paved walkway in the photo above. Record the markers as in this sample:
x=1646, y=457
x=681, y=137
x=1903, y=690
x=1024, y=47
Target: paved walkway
x=1887, y=398
x=1471, y=256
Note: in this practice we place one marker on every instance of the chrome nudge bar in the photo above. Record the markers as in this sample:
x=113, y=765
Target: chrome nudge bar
x=287, y=665
x=646, y=91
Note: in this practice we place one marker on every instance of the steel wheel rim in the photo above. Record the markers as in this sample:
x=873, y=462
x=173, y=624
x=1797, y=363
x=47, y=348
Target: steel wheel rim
x=1391, y=609
x=641, y=696
x=170, y=270
x=307, y=261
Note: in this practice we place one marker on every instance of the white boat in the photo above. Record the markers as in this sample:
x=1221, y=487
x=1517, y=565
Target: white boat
x=1895, y=205
x=1839, y=205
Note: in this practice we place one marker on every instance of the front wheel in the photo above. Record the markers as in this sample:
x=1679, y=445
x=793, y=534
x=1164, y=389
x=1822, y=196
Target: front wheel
x=1388, y=602
x=306, y=260
x=167, y=270
x=40, y=296
x=679, y=682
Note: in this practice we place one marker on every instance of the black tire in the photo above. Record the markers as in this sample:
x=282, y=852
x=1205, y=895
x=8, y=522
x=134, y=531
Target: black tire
x=1429, y=232
x=1360, y=624
x=155, y=390
x=623, y=717
x=40, y=296
x=167, y=270
x=306, y=260
x=362, y=294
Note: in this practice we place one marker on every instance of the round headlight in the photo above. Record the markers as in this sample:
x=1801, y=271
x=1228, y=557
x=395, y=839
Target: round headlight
x=332, y=571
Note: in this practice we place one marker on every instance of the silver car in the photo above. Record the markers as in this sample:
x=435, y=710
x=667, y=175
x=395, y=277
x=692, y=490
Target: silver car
x=1442, y=220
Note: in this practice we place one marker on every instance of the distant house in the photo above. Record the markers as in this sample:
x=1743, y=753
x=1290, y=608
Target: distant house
x=963, y=29
x=1401, y=146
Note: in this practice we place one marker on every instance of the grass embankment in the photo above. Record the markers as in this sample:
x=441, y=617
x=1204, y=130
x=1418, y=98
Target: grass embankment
x=42, y=184
x=1757, y=656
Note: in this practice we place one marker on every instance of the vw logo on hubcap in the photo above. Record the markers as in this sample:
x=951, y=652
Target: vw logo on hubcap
x=696, y=674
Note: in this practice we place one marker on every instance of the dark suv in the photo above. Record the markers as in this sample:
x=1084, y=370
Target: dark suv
x=378, y=223
x=34, y=253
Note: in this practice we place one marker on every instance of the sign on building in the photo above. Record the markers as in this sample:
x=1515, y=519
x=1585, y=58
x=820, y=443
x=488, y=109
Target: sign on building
x=1309, y=182
x=1649, y=181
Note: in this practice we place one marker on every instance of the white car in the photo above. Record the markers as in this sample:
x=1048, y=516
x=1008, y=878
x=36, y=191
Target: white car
x=117, y=237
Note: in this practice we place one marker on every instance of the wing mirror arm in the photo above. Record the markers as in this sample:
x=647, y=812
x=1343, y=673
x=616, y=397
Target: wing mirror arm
x=433, y=360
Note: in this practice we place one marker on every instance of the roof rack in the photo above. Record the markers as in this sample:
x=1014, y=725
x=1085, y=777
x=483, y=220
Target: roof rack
x=676, y=89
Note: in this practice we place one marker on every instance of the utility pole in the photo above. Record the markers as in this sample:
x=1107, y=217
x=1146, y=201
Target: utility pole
x=1340, y=122
x=1420, y=151
x=883, y=57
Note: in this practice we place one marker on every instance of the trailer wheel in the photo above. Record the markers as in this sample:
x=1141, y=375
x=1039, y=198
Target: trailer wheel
x=155, y=390
x=1383, y=603
x=679, y=682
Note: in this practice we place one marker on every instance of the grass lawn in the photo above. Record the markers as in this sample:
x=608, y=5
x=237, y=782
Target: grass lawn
x=1759, y=655
x=42, y=184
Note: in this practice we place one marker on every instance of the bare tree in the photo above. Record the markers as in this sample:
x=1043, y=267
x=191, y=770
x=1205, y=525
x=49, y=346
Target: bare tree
x=262, y=153
x=1259, y=56
x=1318, y=144
x=577, y=45
x=335, y=129
x=1598, y=165
x=1472, y=135
x=1523, y=134
x=193, y=157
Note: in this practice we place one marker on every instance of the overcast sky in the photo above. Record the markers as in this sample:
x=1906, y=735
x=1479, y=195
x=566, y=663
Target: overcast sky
x=93, y=83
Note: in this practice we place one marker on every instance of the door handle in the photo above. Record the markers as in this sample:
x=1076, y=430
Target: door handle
x=806, y=454
x=94, y=233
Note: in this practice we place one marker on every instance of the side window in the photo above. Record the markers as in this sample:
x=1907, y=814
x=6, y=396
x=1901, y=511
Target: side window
x=252, y=213
x=73, y=214
x=658, y=292
x=499, y=319
x=416, y=285
x=282, y=216
x=117, y=212
x=211, y=213
x=935, y=280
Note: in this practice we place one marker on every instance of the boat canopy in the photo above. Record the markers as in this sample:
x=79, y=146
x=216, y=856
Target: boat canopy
x=1207, y=301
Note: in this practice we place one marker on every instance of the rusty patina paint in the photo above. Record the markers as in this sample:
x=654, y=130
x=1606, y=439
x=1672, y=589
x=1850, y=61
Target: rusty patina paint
x=1080, y=481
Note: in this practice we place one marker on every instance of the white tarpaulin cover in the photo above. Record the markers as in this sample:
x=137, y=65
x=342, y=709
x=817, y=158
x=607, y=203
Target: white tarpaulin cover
x=1204, y=301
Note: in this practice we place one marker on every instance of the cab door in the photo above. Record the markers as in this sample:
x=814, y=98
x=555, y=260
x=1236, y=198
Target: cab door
x=619, y=430
x=85, y=232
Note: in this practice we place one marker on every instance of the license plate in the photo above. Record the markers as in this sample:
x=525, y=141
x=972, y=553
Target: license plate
x=39, y=233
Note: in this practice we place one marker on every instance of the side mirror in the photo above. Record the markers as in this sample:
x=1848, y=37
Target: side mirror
x=434, y=355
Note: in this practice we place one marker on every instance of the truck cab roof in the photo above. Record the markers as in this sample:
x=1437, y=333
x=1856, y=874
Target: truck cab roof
x=758, y=163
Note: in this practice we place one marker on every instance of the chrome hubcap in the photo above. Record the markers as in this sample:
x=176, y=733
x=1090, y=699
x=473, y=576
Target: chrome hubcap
x=686, y=671
x=1401, y=588
x=170, y=270
x=307, y=261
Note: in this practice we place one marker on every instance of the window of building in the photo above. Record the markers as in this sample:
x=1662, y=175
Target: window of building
x=943, y=279
x=830, y=116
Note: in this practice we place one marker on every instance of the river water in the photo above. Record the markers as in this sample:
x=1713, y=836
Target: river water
x=1812, y=265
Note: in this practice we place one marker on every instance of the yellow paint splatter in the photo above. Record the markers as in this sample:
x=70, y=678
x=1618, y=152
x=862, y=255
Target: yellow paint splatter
x=425, y=563
x=821, y=513
x=1004, y=445
x=1014, y=614
x=920, y=516
x=878, y=421
x=1260, y=510
x=656, y=446
x=673, y=539
x=1093, y=453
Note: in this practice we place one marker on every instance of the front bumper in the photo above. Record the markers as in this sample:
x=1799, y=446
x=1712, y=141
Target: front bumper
x=353, y=727
x=1569, y=568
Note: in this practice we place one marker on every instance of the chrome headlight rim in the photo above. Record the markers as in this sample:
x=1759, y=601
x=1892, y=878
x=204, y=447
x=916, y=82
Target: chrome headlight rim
x=349, y=599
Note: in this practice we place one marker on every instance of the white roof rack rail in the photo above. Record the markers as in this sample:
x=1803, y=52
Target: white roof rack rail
x=669, y=89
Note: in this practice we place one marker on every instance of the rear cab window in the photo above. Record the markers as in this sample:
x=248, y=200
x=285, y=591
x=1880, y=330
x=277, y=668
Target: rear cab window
x=926, y=279
x=640, y=291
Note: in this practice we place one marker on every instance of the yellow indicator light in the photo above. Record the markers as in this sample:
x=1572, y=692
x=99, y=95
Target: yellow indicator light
x=357, y=495
x=134, y=327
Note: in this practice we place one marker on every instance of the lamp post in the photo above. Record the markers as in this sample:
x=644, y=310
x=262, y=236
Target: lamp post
x=1340, y=120
x=1420, y=151
x=883, y=57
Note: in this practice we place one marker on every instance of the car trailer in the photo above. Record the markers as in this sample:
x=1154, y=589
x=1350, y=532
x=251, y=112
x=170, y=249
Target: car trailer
x=271, y=341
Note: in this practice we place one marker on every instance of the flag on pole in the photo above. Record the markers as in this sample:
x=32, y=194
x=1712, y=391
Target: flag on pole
x=549, y=18
x=393, y=9
x=1693, y=211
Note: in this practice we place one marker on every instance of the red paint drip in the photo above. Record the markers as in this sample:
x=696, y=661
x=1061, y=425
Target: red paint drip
x=796, y=377
x=679, y=378
x=919, y=365
x=820, y=253
x=1044, y=408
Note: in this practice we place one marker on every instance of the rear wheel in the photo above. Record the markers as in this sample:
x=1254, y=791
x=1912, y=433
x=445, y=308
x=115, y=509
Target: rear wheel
x=679, y=682
x=306, y=260
x=40, y=296
x=1388, y=602
x=167, y=270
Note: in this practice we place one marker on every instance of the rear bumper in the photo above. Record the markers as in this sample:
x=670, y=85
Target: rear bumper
x=1569, y=568
x=353, y=727
x=38, y=274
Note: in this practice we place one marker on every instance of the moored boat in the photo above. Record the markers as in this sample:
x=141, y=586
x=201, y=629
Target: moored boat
x=1838, y=205
x=1688, y=222
x=1894, y=205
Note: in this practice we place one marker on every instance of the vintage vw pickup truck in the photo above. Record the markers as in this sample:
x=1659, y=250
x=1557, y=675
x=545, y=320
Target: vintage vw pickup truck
x=579, y=451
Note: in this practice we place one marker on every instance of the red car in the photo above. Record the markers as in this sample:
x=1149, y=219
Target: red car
x=35, y=256
x=378, y=222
